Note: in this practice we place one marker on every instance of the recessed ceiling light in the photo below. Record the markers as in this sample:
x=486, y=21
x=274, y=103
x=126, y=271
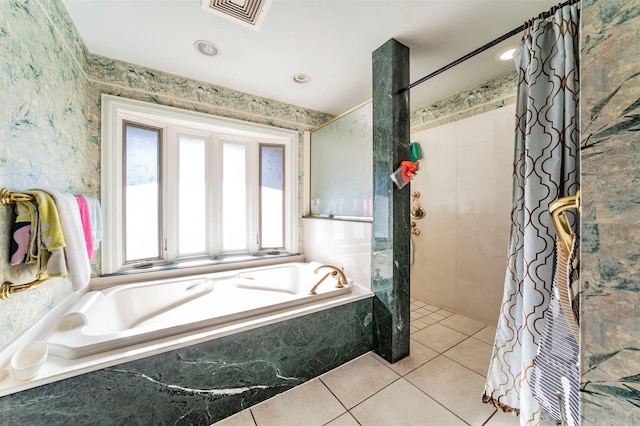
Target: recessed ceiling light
x=301, y=78
x=507, y=55
x=206, y=47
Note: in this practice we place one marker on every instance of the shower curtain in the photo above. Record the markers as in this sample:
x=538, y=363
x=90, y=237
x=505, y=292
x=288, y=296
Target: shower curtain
x=546, y=167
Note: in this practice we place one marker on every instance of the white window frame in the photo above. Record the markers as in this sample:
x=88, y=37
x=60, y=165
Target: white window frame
x=174, y=122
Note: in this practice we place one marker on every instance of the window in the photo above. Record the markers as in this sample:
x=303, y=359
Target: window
x=182, y=186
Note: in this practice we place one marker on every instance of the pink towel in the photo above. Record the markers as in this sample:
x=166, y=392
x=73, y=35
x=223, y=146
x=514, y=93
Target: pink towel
x=85, y=218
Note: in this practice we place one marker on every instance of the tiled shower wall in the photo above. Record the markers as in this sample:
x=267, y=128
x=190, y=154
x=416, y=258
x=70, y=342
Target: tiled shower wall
x=465, y=184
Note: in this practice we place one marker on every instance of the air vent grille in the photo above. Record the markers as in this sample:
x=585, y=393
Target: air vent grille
x=247, y=12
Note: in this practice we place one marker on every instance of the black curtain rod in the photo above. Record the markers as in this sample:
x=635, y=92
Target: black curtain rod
x=486, y=46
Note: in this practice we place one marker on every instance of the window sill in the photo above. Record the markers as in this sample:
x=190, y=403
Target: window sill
x=192, y=267
x=340, y=218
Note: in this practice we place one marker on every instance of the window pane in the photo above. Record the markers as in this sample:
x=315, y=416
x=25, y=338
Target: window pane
x=192, y=212
x=234, y=198
x=142, y=199
x=272, y=196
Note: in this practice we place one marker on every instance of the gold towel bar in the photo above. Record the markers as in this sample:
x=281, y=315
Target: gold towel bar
x=560, y=221
x=8, y=288
x=9, y=197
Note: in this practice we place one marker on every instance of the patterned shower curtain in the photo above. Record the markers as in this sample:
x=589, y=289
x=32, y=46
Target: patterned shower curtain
x=546, y=167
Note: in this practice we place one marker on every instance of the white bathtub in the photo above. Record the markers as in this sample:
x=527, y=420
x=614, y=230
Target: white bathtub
x=130, y=314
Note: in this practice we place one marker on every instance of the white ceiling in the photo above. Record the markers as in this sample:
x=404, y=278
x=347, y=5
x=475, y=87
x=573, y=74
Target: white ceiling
x=331, y=40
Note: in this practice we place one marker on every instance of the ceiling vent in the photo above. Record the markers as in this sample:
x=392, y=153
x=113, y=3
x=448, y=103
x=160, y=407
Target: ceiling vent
x=247, y=12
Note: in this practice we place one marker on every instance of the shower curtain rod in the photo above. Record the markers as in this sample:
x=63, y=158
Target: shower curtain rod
x=487, y=46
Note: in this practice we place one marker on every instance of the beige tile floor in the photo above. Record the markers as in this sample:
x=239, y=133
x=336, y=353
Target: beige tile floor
x=440, y=383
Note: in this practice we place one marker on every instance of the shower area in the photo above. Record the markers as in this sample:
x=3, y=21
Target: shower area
x=486, y=240
x=464, y=187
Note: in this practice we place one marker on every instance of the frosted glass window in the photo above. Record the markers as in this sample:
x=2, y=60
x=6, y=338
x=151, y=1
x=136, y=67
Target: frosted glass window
x=234, y=197
x=187, y=189
x=271, y=196
x=192, y=211
x=142, y=193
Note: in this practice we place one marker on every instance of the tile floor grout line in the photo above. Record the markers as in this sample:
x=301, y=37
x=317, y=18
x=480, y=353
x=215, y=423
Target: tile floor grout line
x=255, y=422
x=334, y=395
x=435, y=400
x=378, y=391
x=462, y=365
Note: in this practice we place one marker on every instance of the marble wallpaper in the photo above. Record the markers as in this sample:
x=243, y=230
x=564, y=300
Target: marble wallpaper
x=43, y=132
x=495, y=93
x=50, y=124
x=610, y=275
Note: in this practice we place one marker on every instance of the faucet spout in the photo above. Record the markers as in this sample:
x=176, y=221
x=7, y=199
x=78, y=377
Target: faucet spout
x=335, y=271
x=315, y=287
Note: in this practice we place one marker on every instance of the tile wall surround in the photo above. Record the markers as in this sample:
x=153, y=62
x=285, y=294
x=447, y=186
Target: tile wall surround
x=465, y=182
x=342, y=243
x=51, y=86
x=610, y=233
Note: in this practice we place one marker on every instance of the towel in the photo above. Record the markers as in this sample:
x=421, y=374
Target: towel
x=86, y=224
x=568, y=284
x=556, y=371
x=416, y=152
x=79, y=268
x=23, y=233
x=48, y=249
x=95, y=214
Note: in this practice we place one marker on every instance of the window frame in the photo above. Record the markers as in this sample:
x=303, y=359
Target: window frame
x=176, y=122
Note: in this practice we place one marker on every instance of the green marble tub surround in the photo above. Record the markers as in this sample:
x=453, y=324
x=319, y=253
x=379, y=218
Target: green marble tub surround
x=203, y=383
x=391, y=230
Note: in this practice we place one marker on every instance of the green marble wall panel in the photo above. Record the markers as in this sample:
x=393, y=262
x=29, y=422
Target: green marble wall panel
x=610, y=272
x=203, y=383
x=390, y=233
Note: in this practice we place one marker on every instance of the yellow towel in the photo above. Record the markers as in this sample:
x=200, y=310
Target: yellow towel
x=50, y=239
x=50, y=229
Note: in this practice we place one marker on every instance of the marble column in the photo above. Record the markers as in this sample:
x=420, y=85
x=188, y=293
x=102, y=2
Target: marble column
x=391, y=232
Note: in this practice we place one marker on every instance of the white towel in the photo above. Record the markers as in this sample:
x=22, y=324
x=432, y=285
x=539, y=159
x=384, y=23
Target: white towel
x=78, y=266
x=95, y=213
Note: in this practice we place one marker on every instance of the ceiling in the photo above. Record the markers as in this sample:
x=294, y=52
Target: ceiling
x=331, y=40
